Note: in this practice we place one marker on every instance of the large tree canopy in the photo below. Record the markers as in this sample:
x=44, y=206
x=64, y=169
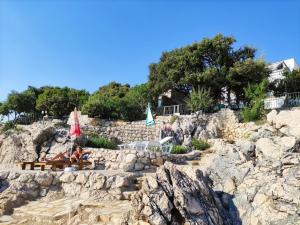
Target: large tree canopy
x=212, y=63
x=117, y=101
x=60, y=101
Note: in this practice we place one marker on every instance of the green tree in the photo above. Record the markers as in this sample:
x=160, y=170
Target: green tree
x=211, y=63
x=23, y=102
x=60, y=102
x=107, y=102
x=136, y=101
x=117, y=101
x=199, y=100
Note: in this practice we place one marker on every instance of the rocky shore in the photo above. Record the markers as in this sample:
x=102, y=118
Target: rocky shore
x=249, y=176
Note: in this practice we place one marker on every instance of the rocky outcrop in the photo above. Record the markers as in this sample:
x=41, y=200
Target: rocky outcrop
x=134, y=160
x=223, y=124
x=175, y=197
x=260, y=179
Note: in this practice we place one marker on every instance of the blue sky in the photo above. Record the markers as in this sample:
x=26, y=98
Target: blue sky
x=86, y=44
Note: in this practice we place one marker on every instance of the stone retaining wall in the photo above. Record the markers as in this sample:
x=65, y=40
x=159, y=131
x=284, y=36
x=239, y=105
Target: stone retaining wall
x=126, y=131
x=227, y=121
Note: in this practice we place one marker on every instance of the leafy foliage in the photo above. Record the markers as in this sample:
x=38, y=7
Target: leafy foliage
x=117, y=101
x=200, y=144
x=211, y=63
x=179, y=149
x=96, y=141
x=255, y=95
x=10, y=126
x=59, y=102
x=56, y=101
x=199, y=99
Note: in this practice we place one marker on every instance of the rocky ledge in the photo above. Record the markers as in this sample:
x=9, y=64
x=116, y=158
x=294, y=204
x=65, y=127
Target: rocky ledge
x=17, y=188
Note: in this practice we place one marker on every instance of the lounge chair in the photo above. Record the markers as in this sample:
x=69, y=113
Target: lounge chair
x=164, y=145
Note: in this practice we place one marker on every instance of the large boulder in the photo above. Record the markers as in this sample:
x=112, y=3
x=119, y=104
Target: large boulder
x=288, y=121
x=175, y=197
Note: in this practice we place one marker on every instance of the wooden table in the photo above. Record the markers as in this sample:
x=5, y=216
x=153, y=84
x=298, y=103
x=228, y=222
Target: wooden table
x=53, y=164
x=33, y=165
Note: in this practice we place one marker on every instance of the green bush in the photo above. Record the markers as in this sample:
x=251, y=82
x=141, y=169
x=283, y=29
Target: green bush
x=199, y=100
x=9, y=126
x=96, y=141
x=200, y=144
x=179, y=149
x=255, y=107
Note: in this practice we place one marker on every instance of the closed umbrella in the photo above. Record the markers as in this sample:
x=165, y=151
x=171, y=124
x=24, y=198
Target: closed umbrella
x=149, y=119
x=75, y=127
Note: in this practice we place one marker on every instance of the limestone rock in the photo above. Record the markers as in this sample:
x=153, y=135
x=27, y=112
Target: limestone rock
x=173, y=197
x=67, y=177
x=44, y=179
x=290, y=119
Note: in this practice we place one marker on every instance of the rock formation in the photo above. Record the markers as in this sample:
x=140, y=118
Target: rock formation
x=260, y=177
x=175, y=197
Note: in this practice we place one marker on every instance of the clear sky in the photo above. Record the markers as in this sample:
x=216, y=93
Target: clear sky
x=86, y=44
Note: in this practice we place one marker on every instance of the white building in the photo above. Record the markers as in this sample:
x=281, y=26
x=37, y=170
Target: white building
x=279, y=67
x=277, y=70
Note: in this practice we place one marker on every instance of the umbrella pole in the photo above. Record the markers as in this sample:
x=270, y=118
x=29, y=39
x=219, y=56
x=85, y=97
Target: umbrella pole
x=147, y=133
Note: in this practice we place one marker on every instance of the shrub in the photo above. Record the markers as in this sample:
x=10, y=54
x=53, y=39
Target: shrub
x=10, y=126
x=173, y=119
x=179, y=149
x=96, y=141
x=199, y=99
x=255, y=95
x=200, y=144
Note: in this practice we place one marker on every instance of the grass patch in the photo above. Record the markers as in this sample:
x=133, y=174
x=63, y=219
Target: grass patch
x=200, y=144
x=96, y=141
x=179, y=149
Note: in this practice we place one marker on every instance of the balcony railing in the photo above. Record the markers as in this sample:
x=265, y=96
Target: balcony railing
x=287, y=100
x=172, y=109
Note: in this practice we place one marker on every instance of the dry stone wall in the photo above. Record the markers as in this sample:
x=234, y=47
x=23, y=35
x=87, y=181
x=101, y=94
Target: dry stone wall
x=125, y=131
